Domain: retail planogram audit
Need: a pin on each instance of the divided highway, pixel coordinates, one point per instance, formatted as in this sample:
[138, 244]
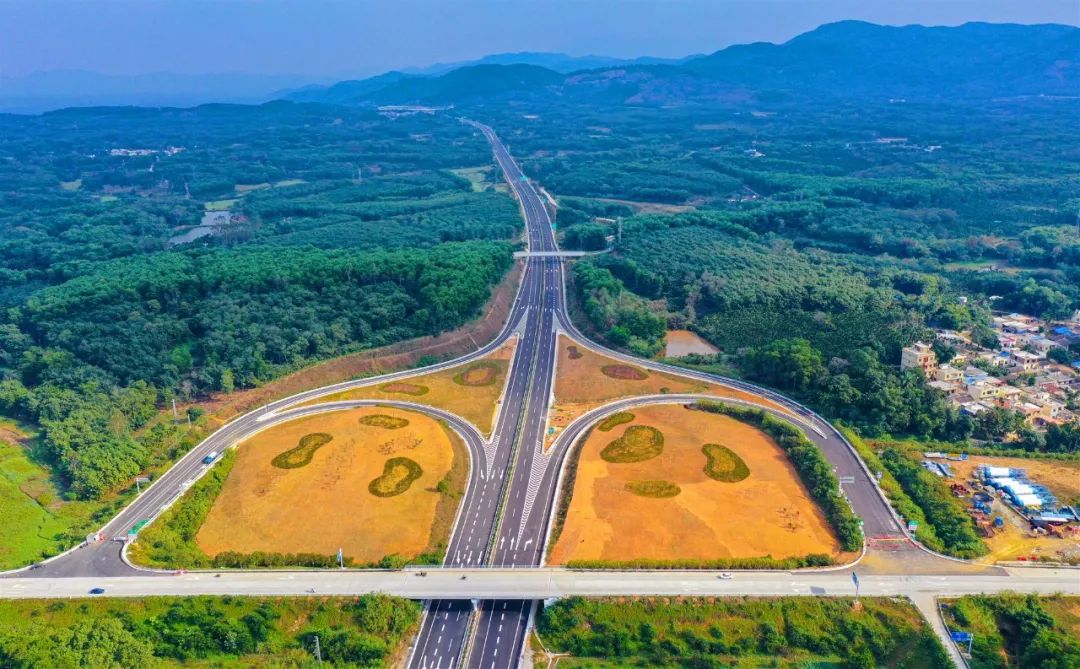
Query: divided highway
[479, 606]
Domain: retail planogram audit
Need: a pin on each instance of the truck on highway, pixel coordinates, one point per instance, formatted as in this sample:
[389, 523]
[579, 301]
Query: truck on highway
[209, 459]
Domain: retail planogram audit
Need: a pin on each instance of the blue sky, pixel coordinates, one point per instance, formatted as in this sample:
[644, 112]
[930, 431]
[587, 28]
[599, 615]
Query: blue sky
[339, 38]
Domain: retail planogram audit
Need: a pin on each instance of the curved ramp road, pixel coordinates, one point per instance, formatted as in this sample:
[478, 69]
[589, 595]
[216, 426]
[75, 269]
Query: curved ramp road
[480, 603]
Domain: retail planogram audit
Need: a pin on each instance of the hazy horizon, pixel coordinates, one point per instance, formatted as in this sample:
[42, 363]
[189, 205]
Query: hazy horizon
[330, 39]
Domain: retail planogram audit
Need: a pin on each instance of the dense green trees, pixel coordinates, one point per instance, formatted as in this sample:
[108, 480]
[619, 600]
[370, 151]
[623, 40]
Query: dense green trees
[1016, 630]
[348, 233]
[952, 525]
[695, 633]
[171, 632]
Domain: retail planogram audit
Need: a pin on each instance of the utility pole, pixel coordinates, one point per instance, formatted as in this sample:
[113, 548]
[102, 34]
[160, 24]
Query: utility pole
[174, 415]
[318, 650]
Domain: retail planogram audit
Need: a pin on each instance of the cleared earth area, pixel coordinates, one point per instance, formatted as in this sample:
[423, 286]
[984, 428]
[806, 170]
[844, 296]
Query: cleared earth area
[471, 391]
[365, 480]
[1015, 540]
[676, 485]
[586, 379]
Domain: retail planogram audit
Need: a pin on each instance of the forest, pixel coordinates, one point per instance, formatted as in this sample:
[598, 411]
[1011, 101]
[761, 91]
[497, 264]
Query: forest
[330, 231]
[822, 239]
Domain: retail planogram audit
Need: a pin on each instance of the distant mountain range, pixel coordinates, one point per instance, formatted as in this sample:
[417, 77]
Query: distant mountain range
[849, 59]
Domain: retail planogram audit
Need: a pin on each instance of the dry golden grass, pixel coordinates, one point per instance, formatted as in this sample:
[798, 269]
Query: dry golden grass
[475, 402]
[326, 504]
[582, 385]
[768, 513]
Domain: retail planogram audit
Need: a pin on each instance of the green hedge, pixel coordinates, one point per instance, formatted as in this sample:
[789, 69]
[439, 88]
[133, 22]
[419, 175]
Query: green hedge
[814, 470]
[764, 562]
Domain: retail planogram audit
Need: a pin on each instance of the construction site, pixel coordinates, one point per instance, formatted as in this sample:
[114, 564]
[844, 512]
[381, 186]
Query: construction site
[1020, 517]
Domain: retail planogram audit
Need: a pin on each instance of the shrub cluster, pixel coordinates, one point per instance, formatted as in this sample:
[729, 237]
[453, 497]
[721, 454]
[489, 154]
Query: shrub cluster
[614, 420]
[301, 454]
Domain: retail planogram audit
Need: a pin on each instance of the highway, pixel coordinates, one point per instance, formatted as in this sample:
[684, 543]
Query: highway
[479, 603]
[525, 584]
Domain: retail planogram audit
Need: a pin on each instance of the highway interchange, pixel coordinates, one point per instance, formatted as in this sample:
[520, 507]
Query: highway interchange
[478, 607]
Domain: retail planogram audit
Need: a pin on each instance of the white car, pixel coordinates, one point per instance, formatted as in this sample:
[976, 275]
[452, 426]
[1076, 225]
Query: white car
[725, 576]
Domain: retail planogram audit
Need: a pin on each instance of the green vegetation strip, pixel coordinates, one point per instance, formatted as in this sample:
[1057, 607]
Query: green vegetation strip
[1018, 630]
[659, 489]
[226, 632]
[814, 470]
[784, 633]
[637, 444]
[724, 464]
[398, 474]
[482, 373]
[384, 421]
[302, 453]
[910, 510]
[615, 420]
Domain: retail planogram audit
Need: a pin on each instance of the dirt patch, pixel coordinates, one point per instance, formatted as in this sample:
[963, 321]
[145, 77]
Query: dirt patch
[482, 373]
[657, 489]
[384, 421]
[637, 444]
[398, 474]
[414, 389]
[327, 504]
[767, 513]
[624, 372]
[382, 360]
[301, 455]
[724, 464]
[472, 390]
[581, 384]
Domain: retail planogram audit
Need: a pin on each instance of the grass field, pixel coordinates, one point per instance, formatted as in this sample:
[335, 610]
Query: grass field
[36, 519]
[220, 632]
[472, 390]
[766, 513]
[738, 632]
[585, 379]
[479, 177]
[371, 490]
[221, 205]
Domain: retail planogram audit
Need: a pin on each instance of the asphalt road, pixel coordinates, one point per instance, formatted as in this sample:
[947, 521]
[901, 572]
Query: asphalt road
[517, 584]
